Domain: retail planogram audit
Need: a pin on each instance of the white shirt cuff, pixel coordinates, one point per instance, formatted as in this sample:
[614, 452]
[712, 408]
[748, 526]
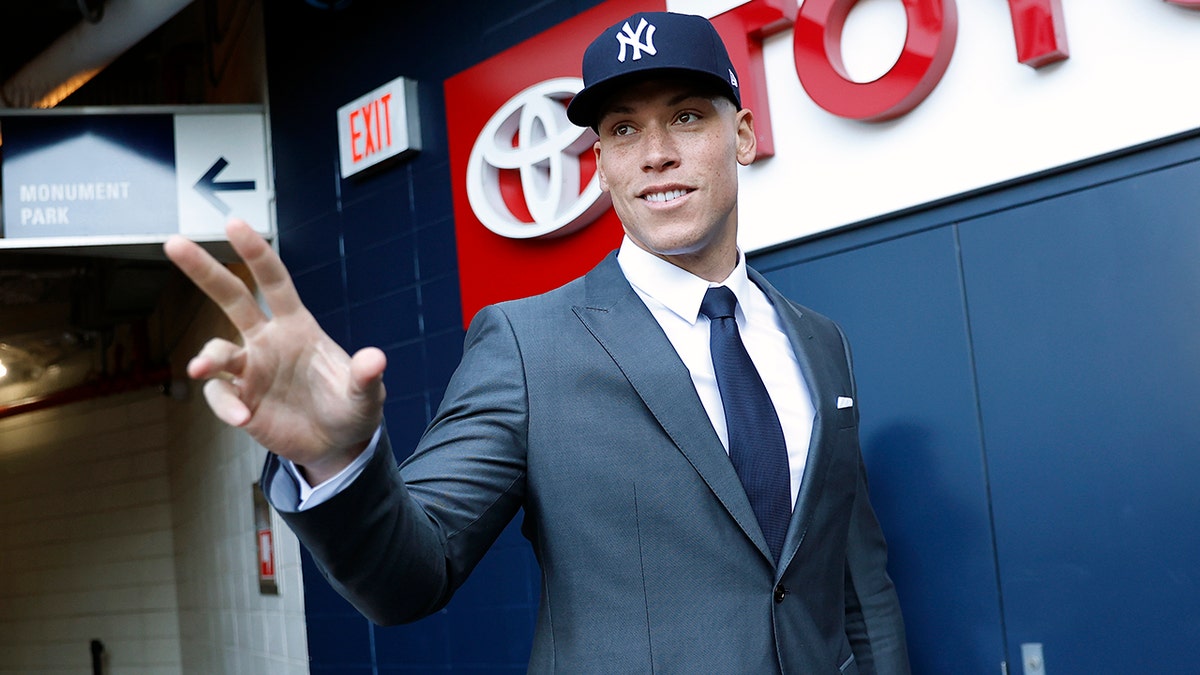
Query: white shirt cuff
[311, 496]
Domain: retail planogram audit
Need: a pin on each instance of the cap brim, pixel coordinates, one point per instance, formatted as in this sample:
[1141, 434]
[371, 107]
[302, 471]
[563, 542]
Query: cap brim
[585, 108]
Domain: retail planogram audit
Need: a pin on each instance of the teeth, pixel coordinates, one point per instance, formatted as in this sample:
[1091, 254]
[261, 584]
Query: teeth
[665, 196]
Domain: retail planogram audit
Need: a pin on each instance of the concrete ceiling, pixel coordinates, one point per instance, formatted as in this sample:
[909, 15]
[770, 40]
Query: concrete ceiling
[110, 52]
[73, 322]
[28, 27]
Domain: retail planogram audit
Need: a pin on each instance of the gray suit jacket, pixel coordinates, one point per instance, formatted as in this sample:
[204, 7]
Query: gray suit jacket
[574, 406]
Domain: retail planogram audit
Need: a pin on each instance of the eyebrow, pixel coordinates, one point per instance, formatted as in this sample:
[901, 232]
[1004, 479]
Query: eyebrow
[624, 109]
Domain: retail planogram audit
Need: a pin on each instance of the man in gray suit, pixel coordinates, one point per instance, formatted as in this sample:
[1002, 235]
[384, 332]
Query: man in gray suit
[605, 411]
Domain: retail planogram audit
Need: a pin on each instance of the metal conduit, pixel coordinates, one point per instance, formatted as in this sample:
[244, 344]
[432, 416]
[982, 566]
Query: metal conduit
[84, 50]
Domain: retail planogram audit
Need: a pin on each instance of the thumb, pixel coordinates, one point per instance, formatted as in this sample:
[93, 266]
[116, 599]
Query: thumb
[366, 373]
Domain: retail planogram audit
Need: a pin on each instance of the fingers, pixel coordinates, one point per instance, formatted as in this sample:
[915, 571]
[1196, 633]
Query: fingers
[223, 399]
[217, 282]
[225, 289]
[216, 358]
[268, 270]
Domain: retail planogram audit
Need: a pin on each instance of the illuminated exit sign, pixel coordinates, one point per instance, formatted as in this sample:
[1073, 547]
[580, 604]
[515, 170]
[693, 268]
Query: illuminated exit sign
[378, 126]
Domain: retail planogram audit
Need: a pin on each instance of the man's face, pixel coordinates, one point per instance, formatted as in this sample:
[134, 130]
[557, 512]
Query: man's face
[668, 154]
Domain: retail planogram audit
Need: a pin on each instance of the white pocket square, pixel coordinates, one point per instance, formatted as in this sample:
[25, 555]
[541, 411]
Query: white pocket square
[845, 402]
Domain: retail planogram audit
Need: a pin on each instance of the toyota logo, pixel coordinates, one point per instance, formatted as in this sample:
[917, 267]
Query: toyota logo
[531, 136]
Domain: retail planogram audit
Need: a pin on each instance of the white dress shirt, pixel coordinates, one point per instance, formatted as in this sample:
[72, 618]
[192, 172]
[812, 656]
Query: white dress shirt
[673, 295]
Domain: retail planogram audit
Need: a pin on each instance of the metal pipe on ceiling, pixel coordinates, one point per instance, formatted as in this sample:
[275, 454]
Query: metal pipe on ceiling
[85, 50]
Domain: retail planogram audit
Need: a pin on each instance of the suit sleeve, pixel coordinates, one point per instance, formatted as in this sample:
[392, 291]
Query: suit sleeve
[399, 541]
[874, 624]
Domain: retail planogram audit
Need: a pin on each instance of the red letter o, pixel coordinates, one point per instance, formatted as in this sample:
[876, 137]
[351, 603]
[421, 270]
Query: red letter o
[932, 30]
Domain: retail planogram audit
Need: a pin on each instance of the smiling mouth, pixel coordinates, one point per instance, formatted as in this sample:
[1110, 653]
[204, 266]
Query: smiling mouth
[668, 195]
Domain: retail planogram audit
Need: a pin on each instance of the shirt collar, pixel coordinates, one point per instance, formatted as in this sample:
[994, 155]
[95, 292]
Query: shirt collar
[675, 288]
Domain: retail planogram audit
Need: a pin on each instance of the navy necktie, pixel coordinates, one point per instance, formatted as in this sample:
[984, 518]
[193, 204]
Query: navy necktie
[756, 445]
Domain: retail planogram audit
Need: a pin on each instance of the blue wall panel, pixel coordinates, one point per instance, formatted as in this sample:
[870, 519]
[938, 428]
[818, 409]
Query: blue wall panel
[900, 304]
[1085, 310]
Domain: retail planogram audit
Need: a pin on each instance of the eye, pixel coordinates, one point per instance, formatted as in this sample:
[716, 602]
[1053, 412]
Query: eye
[687, 117]
[622, 129]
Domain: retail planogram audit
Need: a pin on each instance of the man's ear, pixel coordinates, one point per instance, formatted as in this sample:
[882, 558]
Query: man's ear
[600, 167]
[747, 142]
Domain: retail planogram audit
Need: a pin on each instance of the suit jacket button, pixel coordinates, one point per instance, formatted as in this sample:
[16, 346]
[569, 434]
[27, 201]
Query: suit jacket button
[780, 592]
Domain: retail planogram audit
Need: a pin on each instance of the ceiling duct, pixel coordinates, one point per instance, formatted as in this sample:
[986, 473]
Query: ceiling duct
[84, 50]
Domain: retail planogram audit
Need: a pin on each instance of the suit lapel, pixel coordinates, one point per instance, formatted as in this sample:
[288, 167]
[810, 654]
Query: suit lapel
[625, 328]
[823, 380]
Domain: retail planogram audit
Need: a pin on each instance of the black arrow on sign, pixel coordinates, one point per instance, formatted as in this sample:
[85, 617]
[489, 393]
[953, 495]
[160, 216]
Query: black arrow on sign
[208, 186]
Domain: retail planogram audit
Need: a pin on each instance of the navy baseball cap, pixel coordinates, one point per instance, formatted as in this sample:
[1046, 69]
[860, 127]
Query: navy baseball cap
[646, 43]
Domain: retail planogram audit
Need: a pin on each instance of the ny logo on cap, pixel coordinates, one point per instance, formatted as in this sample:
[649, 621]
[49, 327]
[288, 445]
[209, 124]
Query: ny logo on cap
[630, 38]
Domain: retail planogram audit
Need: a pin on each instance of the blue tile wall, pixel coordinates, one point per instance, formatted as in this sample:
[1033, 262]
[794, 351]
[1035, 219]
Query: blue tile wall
[369, 218]
[431, 194]
[322, 288]
[387, 320]
[337, 324]
[374, 258]
[437, 254]
[406, 419]
[428, 649]
[444, 317]
[381, 268]
[408, 376]
[315, 243]
[339, 640]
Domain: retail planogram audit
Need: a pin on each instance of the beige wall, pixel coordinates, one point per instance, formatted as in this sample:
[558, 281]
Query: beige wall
[85, 538]
[130, 519]
[226, 624]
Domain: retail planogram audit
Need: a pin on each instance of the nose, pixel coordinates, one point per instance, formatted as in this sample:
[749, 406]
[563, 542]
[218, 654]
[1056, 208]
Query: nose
[661, 150]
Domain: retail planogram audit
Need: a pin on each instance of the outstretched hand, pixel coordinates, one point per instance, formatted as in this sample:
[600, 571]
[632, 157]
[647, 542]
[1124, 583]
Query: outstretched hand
[288, 384]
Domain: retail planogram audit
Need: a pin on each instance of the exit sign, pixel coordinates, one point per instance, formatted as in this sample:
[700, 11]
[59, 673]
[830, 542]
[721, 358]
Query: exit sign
[378, 126]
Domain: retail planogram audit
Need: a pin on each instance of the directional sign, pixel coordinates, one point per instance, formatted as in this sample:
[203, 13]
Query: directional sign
[134, 175]
[221, 168]
[88, 175]
[208, 186]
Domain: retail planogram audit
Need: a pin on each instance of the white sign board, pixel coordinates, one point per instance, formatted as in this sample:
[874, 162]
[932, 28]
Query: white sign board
[221, 172]
[379, 125]
[128, 177]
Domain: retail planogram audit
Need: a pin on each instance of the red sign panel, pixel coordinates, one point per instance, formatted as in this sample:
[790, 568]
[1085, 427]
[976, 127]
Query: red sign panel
[266, 556]
[529, 213]
[518, 164]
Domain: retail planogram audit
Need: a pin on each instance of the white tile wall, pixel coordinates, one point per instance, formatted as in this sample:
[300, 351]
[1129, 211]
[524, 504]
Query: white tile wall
[130, 519]
[85, 538]
[226, 624]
